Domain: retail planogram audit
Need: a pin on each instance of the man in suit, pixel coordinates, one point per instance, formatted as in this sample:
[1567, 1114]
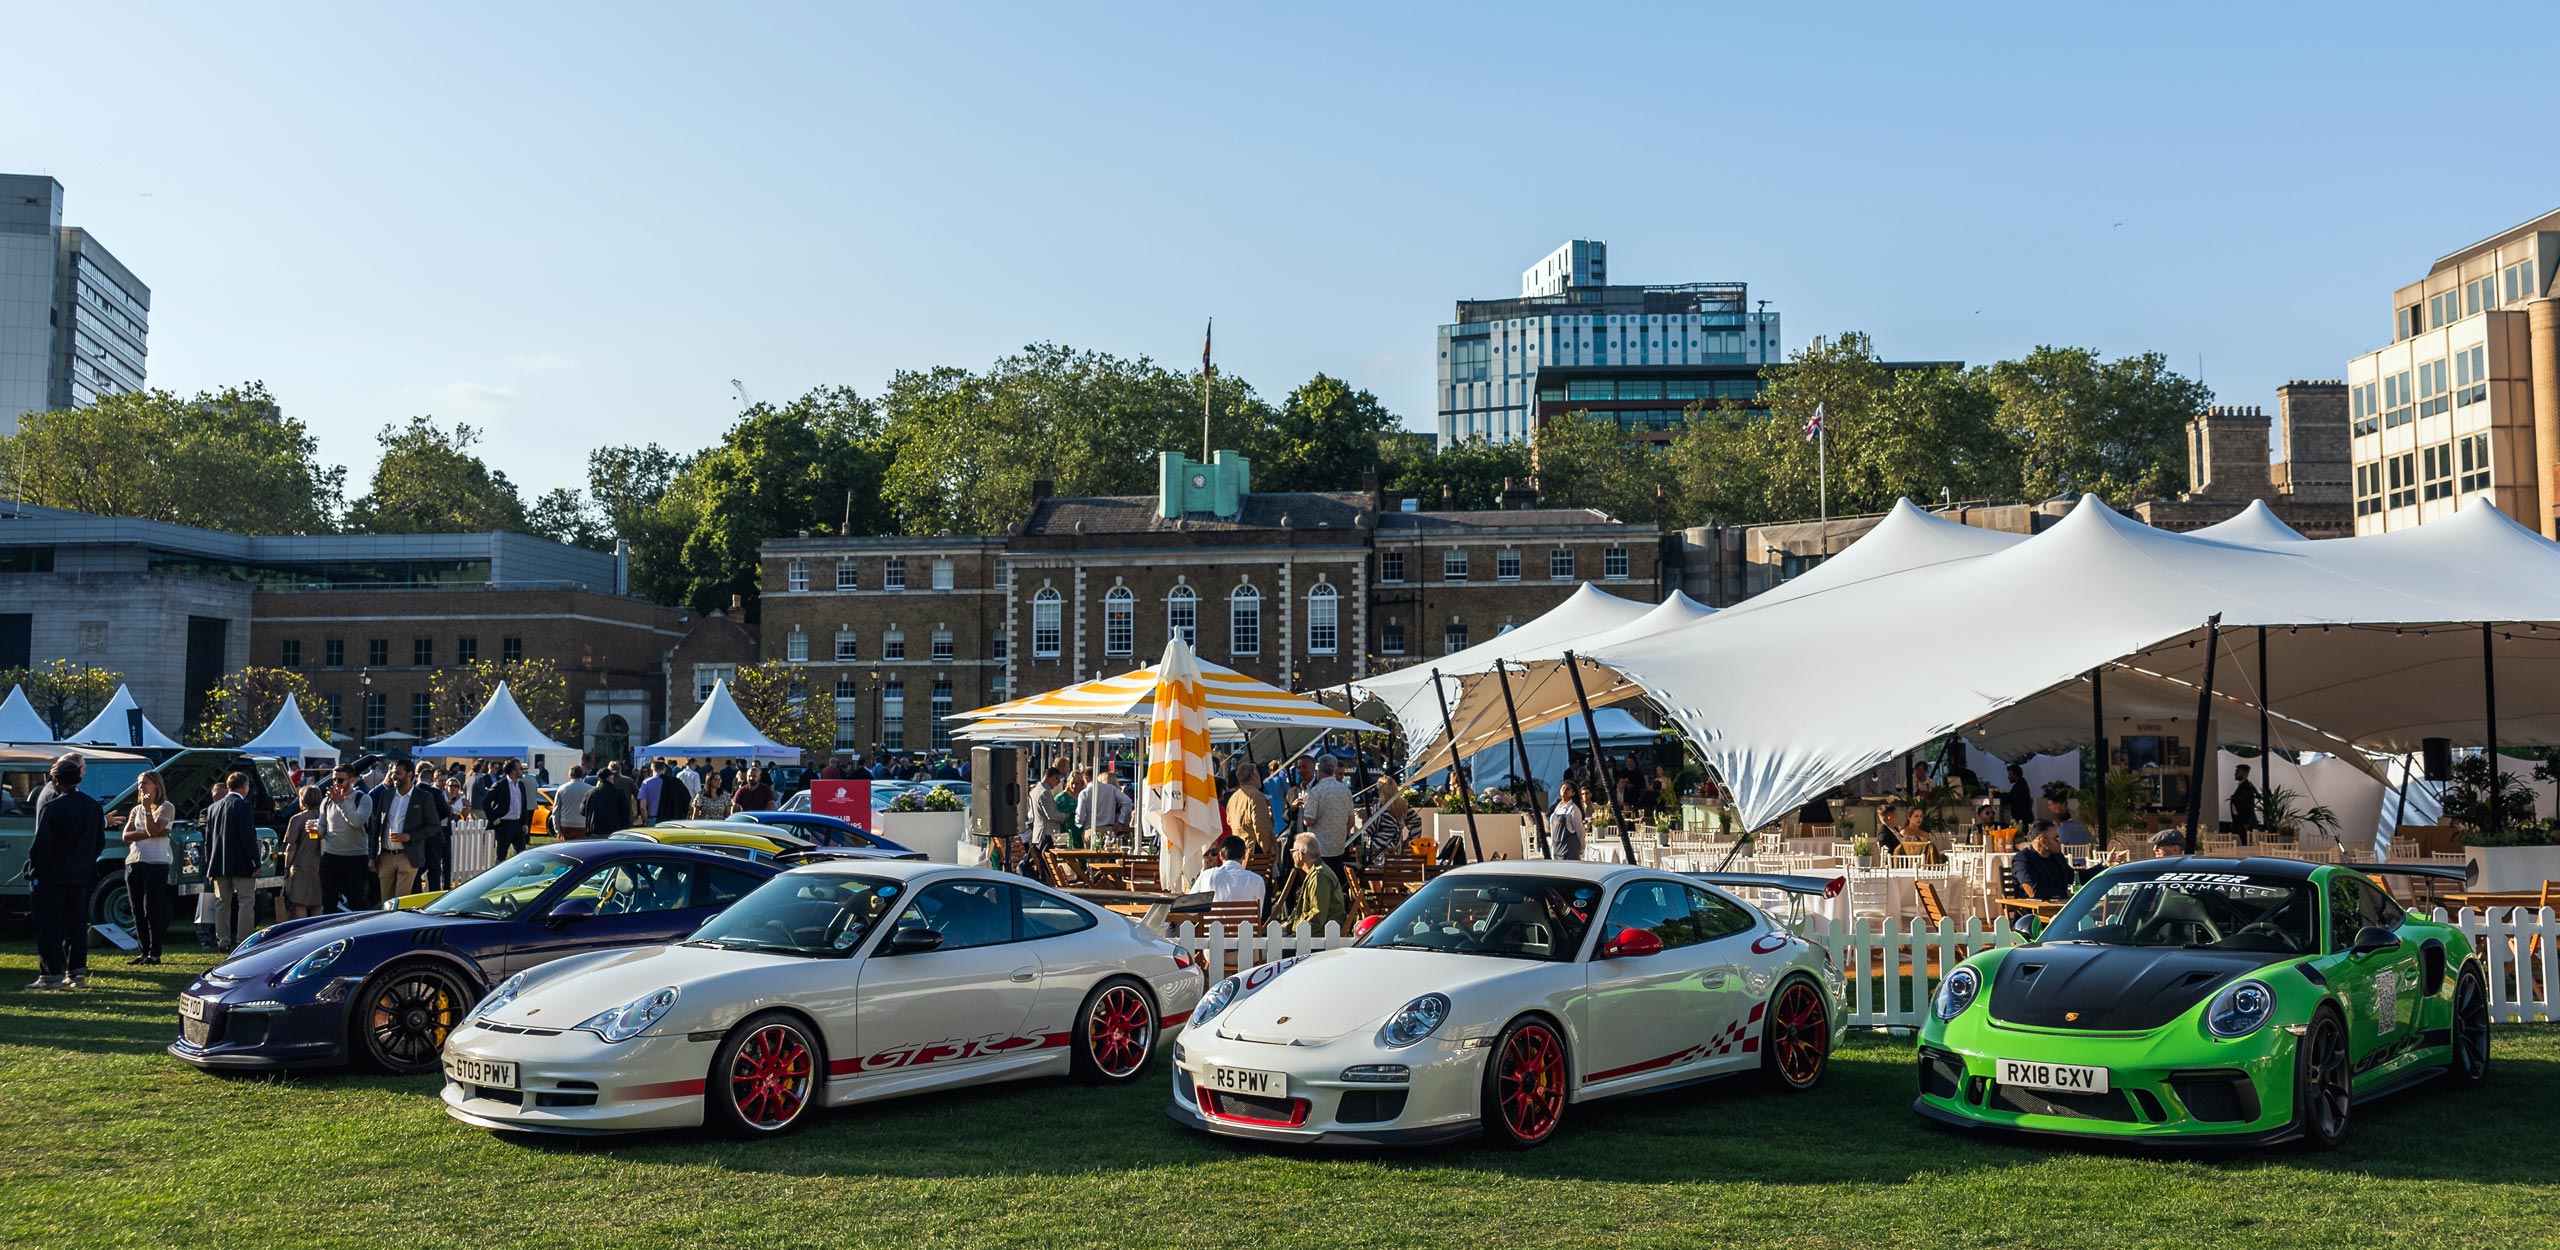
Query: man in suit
[675, 798]
[62, 866]
[404, 818]
[508, 803]
[607, 805]
[231, 862]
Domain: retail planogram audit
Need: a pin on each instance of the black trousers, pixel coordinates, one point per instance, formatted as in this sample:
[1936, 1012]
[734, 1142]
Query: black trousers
[148, 886]
[346, 879]
[62, 929]
[437, 872]
[510, 836]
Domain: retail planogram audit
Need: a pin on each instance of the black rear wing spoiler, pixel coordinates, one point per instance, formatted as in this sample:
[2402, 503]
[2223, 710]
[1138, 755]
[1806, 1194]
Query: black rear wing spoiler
[1819, 887]
[2464, 873]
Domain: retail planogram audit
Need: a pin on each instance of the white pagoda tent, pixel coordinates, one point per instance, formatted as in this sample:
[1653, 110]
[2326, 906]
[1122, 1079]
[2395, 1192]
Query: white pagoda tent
[500, 731]
[290, 737]
[719, 730]
[111, 727]
[19, 723]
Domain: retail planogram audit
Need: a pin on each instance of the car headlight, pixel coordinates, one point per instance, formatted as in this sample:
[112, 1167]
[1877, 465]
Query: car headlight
[1957, 992]
[1415, 1020]
[315, 962]
[499, 997]
[2240, 1009]
[633, 1018]
[1215, 1001]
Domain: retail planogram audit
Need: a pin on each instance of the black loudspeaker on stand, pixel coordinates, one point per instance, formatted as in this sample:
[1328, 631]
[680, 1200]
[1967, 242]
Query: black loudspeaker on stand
[995, 792]
[2439, 754]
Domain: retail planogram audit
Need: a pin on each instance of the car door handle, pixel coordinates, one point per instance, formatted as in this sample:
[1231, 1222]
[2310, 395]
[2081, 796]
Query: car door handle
[1026, 974]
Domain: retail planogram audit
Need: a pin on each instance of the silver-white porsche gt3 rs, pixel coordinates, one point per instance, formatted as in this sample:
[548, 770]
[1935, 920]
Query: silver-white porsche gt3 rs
[837, 983]
[1502, 993]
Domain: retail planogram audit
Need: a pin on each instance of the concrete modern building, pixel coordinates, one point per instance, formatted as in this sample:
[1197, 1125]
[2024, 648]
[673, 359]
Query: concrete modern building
[1567, 313]
[74, 322]
[370, 619]
[1651, 401]
[2465, 402]
[1304, 589]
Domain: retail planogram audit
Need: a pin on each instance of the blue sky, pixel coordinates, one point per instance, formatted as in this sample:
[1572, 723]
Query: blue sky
[573, 225]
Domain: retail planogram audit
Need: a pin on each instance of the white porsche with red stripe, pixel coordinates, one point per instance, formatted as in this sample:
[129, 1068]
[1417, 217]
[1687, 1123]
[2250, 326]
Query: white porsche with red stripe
[1502, 993]
[841, 982]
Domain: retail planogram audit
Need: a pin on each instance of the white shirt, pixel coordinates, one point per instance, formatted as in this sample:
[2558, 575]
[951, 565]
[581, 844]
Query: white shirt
[1230, 882]
[515, 799]
[692, 780]
[150, 850]
[396, 825]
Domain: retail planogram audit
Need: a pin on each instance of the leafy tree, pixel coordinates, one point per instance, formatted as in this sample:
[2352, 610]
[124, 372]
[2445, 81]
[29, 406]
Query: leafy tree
[777, 700]
[1323, 437]
[226, 460]
[455, 695]
[242, 703]
[1590, 462]
[967, 446]
[429, 481]
[627, 483]
[813, 465]
[1472, 471]
[2113, 427]
[66, 694]
[562, 516]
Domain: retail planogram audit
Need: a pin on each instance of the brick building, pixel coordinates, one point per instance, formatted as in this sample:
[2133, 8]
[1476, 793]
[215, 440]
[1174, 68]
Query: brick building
[1301, 589]
[2228, 465]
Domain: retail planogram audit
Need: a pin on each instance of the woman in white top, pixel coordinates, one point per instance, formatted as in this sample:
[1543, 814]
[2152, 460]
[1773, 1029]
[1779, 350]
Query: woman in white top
[146, 862]
[1566, 825]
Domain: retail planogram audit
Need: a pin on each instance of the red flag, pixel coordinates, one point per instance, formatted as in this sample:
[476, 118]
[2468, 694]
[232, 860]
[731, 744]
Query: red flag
[1205, 336]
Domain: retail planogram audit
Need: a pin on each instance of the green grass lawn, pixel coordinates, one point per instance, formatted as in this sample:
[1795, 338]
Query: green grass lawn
[108, 1141]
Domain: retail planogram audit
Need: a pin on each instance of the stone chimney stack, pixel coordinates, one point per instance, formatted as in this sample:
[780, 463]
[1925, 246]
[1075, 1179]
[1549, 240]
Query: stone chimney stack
[2318, 466]
[2227, 455]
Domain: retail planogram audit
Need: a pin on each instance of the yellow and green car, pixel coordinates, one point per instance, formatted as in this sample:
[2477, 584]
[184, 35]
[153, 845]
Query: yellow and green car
[2209, 1002]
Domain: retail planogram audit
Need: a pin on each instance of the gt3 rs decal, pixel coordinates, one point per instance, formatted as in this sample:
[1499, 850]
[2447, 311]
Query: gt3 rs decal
[1736, 1035]
[946, 1051]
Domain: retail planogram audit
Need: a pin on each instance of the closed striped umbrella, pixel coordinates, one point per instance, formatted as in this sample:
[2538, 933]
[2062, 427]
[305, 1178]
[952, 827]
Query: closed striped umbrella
[1180, 801]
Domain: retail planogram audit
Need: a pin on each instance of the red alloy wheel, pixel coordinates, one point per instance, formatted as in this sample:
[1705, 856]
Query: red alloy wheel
[1119, 1032]
[1531, 1087]
[769, 1081]
[1802, 1038]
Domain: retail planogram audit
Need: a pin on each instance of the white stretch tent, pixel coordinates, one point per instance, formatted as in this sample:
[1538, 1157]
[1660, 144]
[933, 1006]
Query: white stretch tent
[500, 731]
[2373, 640]
[1541, 686]
[1408, 694]
[112, 728]
[718, 730]
[290, 737]
[19, 723]
[1553, 748]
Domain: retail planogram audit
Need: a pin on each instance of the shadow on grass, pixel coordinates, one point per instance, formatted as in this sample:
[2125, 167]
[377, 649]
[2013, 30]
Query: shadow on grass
[1857, 1128]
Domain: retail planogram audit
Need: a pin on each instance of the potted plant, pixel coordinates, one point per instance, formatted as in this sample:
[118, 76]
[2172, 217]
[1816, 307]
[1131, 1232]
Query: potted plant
[2285, 811]
[2520, 854]
[2126, 794]
[929, 818]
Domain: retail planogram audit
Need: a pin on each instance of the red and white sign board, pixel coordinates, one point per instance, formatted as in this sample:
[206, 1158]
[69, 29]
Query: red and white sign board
[846, 800]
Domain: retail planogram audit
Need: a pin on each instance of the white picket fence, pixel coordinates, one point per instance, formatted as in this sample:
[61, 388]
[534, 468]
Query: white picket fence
[1892, 969]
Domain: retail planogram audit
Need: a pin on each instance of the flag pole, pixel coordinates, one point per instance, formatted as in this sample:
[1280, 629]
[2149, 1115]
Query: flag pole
[1822, 472]
[1205, 337]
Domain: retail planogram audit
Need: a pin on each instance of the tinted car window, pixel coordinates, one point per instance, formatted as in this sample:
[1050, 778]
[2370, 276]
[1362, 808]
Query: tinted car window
[1716, 916]
[2378, 907]
[638, 887]
[965, 913]
[1660, 908]
[728, 885]
[1047, 915]
[2346, 913]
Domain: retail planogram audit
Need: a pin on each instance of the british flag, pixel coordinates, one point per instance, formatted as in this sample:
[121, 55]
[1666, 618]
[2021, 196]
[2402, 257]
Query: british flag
[1813, 424]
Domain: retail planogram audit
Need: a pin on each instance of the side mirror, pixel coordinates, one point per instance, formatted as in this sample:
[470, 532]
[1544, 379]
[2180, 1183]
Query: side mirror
[1361, 930]
[2373, 938]
[1631, 944]
[569, 909]
[909, 939]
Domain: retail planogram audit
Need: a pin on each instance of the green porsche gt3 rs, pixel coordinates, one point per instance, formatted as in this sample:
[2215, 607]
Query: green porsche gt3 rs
[2208, 1001]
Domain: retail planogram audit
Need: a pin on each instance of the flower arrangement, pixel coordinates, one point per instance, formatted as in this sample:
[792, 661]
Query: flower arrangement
[926, 799]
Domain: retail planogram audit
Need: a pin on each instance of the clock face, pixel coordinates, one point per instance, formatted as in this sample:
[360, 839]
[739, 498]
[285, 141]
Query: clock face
[1199, 481]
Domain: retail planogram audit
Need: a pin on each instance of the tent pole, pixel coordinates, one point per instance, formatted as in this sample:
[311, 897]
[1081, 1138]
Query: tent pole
[2403, 811]
[1458, 767]
[2202, 774]
[2265, 743]
[1526, 783]
[2098, 747]
[1359, 759]
[1599, 757]
[2489, 703]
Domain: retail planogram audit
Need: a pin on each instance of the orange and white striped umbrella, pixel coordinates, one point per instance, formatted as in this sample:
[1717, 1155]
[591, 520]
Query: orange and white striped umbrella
[1180, 801]
[1128, 699]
